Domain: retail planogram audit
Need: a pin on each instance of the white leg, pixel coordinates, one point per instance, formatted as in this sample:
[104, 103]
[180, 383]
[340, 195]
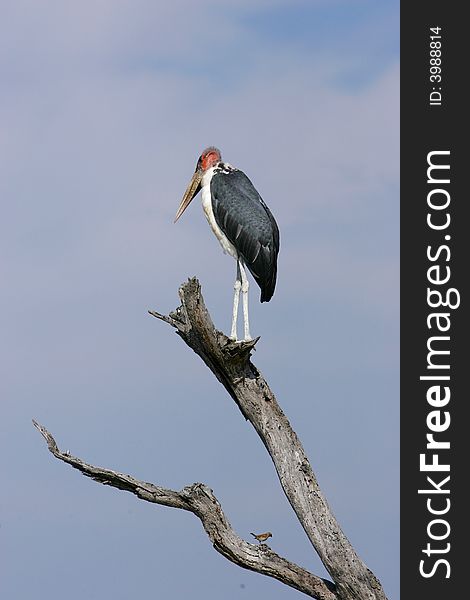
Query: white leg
[245, 287]
[236, 297]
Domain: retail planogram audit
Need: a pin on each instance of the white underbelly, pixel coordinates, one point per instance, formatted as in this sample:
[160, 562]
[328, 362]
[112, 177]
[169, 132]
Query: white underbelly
[227, 246]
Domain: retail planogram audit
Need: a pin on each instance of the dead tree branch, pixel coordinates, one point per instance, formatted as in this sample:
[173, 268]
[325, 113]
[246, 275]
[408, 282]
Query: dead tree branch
[201, 501]
[230, 363]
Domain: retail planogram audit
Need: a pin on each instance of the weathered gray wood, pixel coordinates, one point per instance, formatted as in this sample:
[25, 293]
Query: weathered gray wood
[230, 363]
[200, 500]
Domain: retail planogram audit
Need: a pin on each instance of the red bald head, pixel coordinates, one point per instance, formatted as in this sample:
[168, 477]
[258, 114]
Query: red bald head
[209, 158]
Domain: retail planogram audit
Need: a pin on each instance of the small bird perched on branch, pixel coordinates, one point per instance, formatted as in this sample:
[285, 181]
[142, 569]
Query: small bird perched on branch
[262, 537]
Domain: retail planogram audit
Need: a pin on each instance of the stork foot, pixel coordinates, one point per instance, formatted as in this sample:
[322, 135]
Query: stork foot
[235, 340]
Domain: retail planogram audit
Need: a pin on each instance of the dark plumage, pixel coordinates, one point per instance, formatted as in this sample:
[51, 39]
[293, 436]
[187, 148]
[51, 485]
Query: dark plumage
[241, 222]
[249, 225]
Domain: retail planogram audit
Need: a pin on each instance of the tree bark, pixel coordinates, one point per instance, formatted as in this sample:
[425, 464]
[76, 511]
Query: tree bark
[230, 363]
[201, 501]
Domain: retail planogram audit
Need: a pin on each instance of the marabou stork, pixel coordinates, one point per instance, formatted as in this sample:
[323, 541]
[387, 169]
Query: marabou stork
[242, 223]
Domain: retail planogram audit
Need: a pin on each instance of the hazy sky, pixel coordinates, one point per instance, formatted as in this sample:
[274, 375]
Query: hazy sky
[105, 107]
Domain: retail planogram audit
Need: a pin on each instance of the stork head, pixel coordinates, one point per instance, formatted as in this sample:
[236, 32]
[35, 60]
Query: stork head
[208, 159]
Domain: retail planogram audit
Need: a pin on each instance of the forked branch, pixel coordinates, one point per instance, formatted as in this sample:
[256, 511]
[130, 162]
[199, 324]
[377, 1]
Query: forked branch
[200, 500]
[230, 363]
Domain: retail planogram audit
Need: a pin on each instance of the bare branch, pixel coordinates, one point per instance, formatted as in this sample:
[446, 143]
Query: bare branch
[230, 363]
[201, 501]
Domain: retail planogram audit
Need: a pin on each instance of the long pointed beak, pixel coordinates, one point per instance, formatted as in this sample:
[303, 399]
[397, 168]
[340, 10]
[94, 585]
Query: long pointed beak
[192, 189]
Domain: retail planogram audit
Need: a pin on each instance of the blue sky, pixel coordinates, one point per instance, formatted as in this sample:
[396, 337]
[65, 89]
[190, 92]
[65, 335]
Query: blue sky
[104, 109]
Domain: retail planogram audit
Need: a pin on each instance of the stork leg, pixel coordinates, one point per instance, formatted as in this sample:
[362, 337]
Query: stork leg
[236, 298]
[245, 287]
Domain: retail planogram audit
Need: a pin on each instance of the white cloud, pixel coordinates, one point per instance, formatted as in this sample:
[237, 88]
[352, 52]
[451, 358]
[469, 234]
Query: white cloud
[100, 134]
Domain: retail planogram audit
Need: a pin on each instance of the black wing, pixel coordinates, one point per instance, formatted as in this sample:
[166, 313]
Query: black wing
[249, 225]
